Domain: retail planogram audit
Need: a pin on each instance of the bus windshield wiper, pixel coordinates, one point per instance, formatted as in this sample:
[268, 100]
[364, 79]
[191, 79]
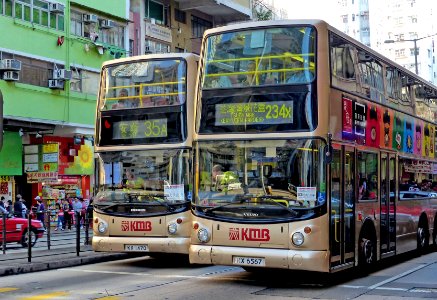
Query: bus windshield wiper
[270, 199]
[159, 200]
[247, 198]
[227, 203]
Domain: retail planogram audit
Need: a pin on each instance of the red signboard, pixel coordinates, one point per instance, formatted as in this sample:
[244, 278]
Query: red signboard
[249, 234]
[136, 226]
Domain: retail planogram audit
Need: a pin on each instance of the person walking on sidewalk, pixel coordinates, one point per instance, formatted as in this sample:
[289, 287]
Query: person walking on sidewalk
[66, 208]
[40, 211]
[77, 206]
[60, 214]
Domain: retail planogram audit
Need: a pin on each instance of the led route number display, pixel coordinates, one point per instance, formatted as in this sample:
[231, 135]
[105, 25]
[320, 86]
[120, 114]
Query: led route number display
[140, 129]
[275, 112]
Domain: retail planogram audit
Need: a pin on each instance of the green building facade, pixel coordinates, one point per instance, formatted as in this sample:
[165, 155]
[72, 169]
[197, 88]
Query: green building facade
[50, 58]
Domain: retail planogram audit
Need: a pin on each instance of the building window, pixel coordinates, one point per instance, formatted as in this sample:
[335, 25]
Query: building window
[353, 17]
[180, 16]
[76, 25]
[198, 26]
[35, 11]
[179, 50]
[113, 36]
[156, 11]
[156, 47]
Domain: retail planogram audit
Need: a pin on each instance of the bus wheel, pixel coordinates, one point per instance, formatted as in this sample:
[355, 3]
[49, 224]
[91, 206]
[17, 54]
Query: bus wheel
[367, 252]
[422, 238]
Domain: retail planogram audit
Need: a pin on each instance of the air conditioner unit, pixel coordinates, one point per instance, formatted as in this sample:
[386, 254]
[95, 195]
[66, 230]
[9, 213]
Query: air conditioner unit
[11, 76]
[107, 24]
[10, 65]
[56, 84]
[62, 74]
[56, 7]
[89, 18]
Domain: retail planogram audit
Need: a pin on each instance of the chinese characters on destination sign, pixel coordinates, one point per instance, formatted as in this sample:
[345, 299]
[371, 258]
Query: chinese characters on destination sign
[277, 112]
[140, 129]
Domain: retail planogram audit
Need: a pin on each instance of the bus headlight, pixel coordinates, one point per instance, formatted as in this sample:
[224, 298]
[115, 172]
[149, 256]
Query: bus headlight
[203, 235]
[297, 238]
[102, 227]
[172, 228]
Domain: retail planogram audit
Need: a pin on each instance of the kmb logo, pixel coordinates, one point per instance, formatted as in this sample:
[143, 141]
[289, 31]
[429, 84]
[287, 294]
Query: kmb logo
[136, 226]
[249, 234]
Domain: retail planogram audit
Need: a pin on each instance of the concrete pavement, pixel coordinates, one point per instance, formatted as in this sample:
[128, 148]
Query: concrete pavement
[62, 254]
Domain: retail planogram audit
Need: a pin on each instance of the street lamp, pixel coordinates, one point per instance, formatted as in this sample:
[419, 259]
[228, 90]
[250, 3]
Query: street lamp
[415, 47]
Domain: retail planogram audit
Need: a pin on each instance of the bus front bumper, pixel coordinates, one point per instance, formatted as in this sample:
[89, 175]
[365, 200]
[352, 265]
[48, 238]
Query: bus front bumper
[153, 244]
[274, 258]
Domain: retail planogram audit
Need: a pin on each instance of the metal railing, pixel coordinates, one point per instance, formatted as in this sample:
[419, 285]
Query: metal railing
[29, 237]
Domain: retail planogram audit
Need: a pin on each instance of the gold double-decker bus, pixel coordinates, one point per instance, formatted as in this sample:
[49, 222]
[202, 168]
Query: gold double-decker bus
[144, 154]
[311, 151]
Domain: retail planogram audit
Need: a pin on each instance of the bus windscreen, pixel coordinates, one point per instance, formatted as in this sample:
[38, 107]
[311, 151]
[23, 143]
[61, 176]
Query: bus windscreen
[259, 80]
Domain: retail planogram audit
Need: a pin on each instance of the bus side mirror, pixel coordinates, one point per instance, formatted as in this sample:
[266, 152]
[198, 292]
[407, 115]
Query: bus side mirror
[328, 154]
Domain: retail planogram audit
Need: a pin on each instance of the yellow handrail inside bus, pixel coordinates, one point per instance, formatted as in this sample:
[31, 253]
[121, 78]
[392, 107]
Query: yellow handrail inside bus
[141, 94]
[296, 57]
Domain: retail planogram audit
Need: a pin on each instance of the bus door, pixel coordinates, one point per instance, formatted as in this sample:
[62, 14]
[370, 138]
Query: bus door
[342, 206]
[388, 200]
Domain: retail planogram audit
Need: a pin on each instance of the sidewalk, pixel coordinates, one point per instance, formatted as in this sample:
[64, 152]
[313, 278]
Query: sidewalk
[15, 261]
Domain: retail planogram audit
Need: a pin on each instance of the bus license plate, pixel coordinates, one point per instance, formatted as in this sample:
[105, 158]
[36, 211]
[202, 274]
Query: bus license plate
[137, 248]
[249, 261]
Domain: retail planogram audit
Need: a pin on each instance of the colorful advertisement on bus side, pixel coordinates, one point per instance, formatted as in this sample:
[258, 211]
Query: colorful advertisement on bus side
[375, 126]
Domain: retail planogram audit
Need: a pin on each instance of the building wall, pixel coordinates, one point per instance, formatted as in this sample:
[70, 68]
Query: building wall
[41, 49]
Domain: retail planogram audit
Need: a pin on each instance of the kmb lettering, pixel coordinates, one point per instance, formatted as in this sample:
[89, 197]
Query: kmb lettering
[136, 226]
[249, 234]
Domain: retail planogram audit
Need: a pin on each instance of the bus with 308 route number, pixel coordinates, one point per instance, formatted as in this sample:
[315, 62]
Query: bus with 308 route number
[311, 151]
[144, 126]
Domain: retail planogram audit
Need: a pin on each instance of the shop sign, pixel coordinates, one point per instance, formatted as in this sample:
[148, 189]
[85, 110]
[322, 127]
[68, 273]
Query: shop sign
[33, 177]
[41, 158]
[158, 32]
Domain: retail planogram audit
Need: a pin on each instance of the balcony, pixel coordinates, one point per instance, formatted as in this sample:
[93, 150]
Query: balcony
[223, 11]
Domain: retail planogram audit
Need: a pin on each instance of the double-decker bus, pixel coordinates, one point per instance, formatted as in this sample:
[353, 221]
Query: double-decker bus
[144, 154]
[311, 151]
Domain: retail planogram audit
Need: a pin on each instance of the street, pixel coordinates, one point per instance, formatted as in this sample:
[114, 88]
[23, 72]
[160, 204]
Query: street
[407, 277]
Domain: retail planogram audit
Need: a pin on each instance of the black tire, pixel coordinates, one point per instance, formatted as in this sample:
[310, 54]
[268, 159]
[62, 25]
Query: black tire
[24, 238]
[367, 253]
[422, 238]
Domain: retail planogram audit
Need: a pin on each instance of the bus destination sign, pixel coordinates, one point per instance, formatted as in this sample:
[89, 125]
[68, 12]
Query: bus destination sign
[140, 129]
[253, 113]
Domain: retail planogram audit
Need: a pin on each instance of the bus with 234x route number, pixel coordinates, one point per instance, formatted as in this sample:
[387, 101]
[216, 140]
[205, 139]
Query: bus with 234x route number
[311, 151]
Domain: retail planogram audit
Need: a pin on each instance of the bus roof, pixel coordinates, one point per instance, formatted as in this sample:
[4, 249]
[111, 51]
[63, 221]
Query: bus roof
[319, 24]
[150, 57]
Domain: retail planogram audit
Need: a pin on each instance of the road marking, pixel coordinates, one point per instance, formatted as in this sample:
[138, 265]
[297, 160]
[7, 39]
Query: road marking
[201, 276]
[46, 296]
[397, 276]
[377, 288]
[109, 298]
[7, 289]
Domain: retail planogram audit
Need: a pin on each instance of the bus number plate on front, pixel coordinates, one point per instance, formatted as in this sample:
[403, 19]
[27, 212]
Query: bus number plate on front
[249, 261]
[137, 248]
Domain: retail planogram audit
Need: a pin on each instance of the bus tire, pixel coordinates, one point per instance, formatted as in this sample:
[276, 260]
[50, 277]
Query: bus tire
[422, 236]
[367, 250]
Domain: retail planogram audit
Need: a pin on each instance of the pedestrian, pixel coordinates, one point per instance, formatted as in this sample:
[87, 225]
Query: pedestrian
[66, 208]
[23, 208]
[60, 214]
[18, 206]
[3, 209]
[9, 207]
[40, 211]
[77, 206]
